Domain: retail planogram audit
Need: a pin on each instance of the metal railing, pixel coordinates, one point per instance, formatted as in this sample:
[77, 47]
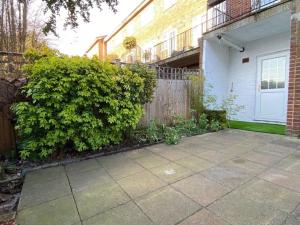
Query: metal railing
[173, 46]
[229, 11]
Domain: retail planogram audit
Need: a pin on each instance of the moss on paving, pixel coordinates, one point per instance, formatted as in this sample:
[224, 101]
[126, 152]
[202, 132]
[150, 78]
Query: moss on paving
[258, 127]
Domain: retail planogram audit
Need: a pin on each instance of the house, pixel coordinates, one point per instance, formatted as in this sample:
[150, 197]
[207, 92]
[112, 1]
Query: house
[252, 50]
[247, 48]
[166, 32]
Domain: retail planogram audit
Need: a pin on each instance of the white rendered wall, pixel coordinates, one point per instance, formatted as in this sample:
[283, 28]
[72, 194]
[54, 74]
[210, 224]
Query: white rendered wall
[224, 69]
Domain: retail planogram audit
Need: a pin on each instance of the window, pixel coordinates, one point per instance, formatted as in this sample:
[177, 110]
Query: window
[147, 15]
[273, 73]
[169, 3]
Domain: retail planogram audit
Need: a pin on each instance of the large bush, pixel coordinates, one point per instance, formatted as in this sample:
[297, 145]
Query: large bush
[76, 101]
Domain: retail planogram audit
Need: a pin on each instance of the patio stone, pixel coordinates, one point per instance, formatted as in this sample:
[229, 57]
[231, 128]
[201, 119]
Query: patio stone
[291, 220]
[271, 194]
[152, 161]
[140, 184]
[230, 177]
[238, 210]
[195, 164]
[167, 206]
[262, 158]
[124, 169]
[45, 175]
[204, 217]
[291, 163]
[34, 194]
[98, 198]
[135, 154]
[277, 150]
[61, 211]
[215, 156]
[200, 189]
[112, 161]
[282, 178]
[80, 181]
[82, 166]
[171, 172]
[161, 147]
[244, 165]
[173, 154]
[128, 214]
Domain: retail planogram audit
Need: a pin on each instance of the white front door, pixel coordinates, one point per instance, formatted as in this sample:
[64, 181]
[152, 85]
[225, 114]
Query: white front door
[271, 95]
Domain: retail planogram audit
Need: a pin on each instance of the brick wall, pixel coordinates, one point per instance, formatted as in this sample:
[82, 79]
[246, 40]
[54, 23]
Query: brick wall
[236, 8]
[293, 116]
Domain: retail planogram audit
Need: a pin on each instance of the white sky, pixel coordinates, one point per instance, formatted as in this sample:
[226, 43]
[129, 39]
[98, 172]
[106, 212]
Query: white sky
[76, 42]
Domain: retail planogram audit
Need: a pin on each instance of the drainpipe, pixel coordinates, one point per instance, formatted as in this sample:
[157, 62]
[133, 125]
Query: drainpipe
[229, 43]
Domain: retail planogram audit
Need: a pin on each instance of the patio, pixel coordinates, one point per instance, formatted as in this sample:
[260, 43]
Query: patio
[230, 177]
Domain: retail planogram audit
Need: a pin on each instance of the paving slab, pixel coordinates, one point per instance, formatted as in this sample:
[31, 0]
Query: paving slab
[291, 163]
[44, 175]
[277, 150]
[268, 193]
[140, 184]
[135, 154]
[201, 189]
[171, 172]
[204, 217]
[173, 154]
[122, 170]
[127, 214]
[61, 211]
[245, 165]
[99, 198]
[216, 156]
[80, 181]
[266, 159]
[238, 210]
[82, 166]
[194, 163]
[151, 161]
[36, 193]
[282, 178]
[167, 206]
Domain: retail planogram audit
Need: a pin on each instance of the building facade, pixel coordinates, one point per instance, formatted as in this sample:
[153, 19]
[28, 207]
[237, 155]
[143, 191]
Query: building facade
[163, 29]
[249, 49]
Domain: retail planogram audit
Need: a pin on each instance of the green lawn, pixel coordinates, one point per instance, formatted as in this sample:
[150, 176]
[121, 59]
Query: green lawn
[258, 127]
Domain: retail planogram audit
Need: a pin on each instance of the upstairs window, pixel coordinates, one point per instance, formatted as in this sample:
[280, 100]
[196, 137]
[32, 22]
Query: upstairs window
[147, 15]
[169, 3]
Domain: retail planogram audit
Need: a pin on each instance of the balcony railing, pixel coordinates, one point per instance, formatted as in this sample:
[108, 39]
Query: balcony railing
[232, 10]
[173, 46]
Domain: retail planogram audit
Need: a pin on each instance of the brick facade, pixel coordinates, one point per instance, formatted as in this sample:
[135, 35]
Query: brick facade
[293, 114]
[237, 8]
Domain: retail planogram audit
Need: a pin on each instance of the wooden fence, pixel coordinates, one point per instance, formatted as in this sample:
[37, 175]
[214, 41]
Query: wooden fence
[170, 96]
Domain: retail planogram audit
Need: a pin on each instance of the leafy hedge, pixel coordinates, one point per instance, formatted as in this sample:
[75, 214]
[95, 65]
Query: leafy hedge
[76, 101]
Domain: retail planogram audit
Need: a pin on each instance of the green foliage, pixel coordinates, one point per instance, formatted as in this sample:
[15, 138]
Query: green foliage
[203, 121]
[215, 125]
[149, 77]
[112, 57]
[217, 115]
[153, 132]
[33, 54]
[230, 107]
[76, 101]
[172, 136]
[185, 127]
[129, 43]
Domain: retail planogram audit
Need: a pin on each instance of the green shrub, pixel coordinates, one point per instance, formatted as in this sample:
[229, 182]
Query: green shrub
[203, 121]
[215, 125]
[153, 132]
[149, 77]
[217, 115]
[76, 101]
[172, 136]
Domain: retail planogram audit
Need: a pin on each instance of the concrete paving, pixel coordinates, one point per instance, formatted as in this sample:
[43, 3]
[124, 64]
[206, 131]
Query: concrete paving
[227, 178]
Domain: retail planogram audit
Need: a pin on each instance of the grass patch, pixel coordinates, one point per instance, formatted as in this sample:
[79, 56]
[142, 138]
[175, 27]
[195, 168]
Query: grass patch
[258, 127]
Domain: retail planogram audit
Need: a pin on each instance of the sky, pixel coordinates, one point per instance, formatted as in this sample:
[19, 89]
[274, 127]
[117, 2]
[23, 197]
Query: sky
[76, 42]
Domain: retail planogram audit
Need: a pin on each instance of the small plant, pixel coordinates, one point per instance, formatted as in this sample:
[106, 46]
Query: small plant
[172, 136]
[153, 132]
[231, 108]
[203, 121]
[129, 43]
[215, 125]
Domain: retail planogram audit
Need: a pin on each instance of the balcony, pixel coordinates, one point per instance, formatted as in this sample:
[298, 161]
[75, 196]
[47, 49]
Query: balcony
[229, 11]
[173, 47]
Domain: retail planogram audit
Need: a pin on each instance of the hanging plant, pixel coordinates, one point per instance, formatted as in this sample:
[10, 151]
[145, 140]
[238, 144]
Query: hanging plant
[129, 43]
